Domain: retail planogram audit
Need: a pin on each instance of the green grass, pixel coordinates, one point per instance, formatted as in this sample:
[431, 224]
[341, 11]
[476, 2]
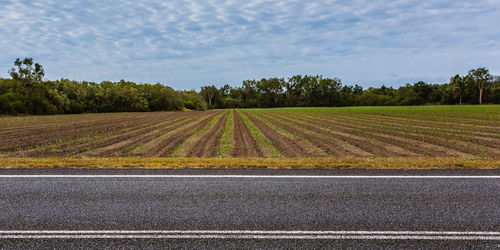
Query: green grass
[436, 111]
[226, 142]
[265, 143]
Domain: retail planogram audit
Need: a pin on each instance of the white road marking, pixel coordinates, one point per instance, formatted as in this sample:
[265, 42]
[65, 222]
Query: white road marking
[248, 234]
[267, 176]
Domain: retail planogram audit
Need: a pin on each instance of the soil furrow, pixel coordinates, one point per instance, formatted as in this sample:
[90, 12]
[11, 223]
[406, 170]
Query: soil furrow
[47, 137]
[245, 144]
[164, 145]
[330, 147]
[122, 147]
[434, 132]
[210, 140]
[415, 142]
[358, 141]
[442, 128]
[285, 145]
[73, 148]
[435, 124]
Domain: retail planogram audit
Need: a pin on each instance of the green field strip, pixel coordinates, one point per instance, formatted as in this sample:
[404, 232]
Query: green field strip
[438, 112]
[187, 143]
[444, 119]
[226, 141]
[265, 144]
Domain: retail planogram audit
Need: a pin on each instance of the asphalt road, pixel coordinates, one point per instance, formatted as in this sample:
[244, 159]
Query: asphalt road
[64, 208]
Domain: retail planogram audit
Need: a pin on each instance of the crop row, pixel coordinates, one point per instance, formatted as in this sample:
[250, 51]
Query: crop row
[291, 133]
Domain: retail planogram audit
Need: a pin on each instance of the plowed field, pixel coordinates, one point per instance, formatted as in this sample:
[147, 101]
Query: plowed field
[425, 131]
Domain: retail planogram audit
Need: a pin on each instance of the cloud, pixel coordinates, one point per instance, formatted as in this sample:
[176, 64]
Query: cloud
[186, 43]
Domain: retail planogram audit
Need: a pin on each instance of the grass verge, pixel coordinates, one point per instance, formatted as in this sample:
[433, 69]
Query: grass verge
[270, 163]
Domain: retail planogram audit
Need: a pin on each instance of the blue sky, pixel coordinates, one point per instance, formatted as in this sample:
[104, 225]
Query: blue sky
[187, 44]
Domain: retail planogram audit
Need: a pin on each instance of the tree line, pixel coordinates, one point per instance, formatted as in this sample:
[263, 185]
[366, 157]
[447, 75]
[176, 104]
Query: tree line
[26, 92]
[477, 87]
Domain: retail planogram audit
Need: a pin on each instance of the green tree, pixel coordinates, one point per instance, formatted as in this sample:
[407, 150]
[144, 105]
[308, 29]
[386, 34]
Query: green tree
[209, 93]
[481, 78]
[457, 85]
[27, 73]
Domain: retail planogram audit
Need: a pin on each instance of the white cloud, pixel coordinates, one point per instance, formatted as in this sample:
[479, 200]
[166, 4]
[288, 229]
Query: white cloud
[188, 43]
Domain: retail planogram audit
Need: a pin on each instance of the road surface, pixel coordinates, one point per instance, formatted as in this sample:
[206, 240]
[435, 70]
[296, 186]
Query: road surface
[65, 208]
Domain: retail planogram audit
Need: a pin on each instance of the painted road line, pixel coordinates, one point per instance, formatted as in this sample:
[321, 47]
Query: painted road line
[267, 176]
[246, 234]
[242, 232]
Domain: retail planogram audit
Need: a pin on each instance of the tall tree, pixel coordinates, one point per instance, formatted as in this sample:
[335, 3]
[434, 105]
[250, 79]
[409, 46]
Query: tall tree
[481, 78]
[209, 93]
[457, 84]
[27, 73]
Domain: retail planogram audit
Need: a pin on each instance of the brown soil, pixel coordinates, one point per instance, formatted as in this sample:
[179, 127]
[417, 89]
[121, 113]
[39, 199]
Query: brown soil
[122, 146]
[245, 144]
[287, 146]
[298, 134]
[459, 125]
[163, 146]
[420, 143]
[331, 147]
[373, 147]
[73, 147]
[62, 132]
[210, 140]
[493, 139]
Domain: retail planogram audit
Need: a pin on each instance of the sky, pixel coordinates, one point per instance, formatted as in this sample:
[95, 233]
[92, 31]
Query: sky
[187, 44]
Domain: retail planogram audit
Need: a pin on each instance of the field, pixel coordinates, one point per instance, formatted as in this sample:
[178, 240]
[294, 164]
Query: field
[422, 132]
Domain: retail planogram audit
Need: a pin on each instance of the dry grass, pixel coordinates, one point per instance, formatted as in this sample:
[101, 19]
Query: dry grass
[272, 163]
